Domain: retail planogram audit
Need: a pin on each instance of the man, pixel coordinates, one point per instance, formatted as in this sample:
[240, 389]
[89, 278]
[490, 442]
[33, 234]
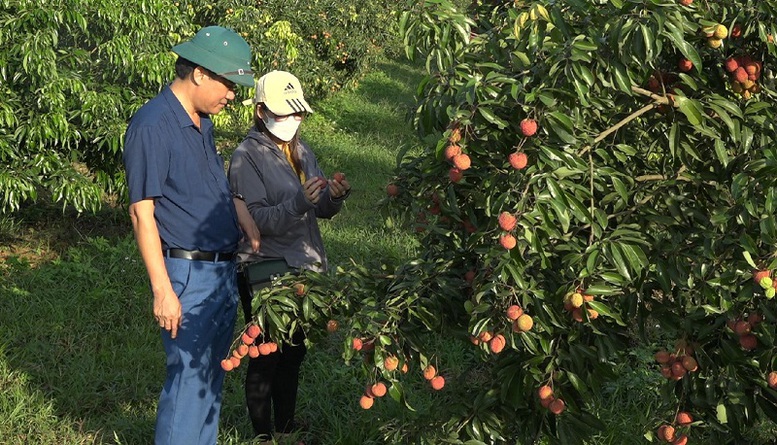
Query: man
[187, 226]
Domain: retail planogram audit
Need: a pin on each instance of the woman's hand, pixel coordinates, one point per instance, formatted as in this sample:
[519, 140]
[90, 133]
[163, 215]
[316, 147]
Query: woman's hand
[338, 188]
[312, 189]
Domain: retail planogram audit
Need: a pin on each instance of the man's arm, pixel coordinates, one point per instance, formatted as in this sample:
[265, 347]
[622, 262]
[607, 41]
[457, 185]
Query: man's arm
[167, 307]
[247, 223]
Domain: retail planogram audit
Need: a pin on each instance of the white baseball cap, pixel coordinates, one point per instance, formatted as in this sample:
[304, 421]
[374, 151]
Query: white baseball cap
[281, 93]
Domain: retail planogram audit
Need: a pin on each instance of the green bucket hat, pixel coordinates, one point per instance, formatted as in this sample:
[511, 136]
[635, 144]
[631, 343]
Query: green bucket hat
[221, 51]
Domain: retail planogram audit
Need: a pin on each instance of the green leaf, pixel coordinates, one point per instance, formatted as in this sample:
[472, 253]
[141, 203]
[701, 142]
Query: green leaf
[691, 109]
[721, 413]
[605, 310]
[749, 259]
[491, 117]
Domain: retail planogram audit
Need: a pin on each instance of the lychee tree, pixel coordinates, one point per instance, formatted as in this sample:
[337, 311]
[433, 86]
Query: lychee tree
[593, 170]
[629, 148]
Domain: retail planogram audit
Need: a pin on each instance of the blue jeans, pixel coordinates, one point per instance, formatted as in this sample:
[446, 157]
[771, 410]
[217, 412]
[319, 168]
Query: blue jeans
[190, 402]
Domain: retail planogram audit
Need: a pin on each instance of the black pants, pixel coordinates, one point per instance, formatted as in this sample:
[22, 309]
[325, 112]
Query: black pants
[272, 380]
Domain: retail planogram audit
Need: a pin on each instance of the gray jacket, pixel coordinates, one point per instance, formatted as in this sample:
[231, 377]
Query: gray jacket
[286, 219]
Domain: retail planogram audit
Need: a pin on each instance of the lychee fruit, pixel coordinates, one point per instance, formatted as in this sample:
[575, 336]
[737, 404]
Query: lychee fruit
[338, 177]
[518, 160]
[438, 382]
[545, 392]
[748, 342]
[452, 151]
[253, 351]
[507, 221]
[682, 440]
[576, 300]
[690, 364]
[462, 161]
[740, 75]
[357, 344]
[686, 2]
[513, 312]
[731, 65]
[485, 336]
[758, 275]
[771, 379]
[685, 65]
[265, 349]
[455, 174]
[683, 418]
[253, 330]
[392, 190]
[455, 135]
[332, 326]
[678, 370]
[497, 344]
[662, 357]
[366, 402]
[721, 32]
[378, 389]
[742, 327]
[528, 127]
[430, 372]
[524, 323]
[507, 241]
[557, 406]
[391, 363]
[227, 365]
[666, 433]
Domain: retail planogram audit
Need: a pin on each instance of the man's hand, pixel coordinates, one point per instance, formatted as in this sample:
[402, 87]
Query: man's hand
[167, 310]
[247, 224]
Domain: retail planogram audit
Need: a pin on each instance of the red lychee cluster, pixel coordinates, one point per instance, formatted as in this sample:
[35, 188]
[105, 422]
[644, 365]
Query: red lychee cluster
[576, 303]
[674, 366]
[372, 392]
[743, 327]
[435, 380]
[548, 400]
[670, 433]
[507, 222]
[247, 346]
[764, 279]
[744, 74]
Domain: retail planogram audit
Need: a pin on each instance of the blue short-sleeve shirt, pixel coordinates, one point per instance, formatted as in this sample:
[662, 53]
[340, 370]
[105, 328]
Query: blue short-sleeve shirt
[168, 159]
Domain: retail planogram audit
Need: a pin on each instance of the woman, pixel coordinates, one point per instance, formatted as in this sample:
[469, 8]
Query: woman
[285, 191]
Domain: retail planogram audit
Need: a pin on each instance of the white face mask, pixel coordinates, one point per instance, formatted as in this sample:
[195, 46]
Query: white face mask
[284, 130]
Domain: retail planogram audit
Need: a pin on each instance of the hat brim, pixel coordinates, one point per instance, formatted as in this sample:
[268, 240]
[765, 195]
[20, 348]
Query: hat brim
[215, 63]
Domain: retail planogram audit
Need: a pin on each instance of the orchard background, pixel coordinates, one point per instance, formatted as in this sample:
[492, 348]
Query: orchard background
[591, 191]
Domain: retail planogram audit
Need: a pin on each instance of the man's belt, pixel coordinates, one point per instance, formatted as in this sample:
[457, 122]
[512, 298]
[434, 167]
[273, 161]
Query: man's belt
[198, 255]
